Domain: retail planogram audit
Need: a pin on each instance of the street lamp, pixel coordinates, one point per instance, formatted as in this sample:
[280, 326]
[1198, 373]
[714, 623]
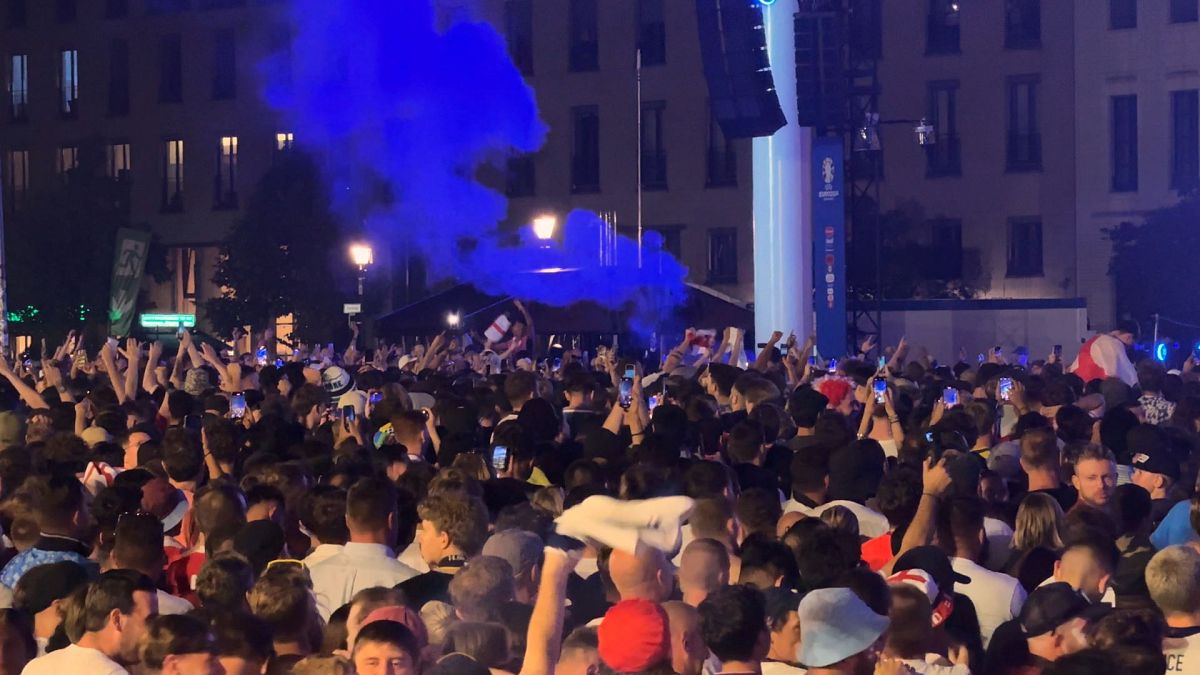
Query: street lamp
[544, 226]
[363, 256]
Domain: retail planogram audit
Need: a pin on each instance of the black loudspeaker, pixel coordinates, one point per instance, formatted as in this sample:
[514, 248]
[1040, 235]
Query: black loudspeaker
[741, 88]
[821, 78]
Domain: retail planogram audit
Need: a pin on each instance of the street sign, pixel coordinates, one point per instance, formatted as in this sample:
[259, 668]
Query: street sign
[168, 320]
[352, 308]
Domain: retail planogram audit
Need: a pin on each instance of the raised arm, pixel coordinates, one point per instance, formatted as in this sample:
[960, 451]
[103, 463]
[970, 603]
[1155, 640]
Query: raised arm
[544, 639]
[109, 361]
[28, 394]
[149, 379]
[133, 352]
[764, 355]
[935, 482]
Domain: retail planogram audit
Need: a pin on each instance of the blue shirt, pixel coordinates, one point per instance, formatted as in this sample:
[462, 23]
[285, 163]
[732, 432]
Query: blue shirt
[48, 549]
[1175, 528]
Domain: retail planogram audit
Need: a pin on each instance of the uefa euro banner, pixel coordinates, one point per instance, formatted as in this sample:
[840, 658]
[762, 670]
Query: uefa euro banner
[829, 245]
[129, 261]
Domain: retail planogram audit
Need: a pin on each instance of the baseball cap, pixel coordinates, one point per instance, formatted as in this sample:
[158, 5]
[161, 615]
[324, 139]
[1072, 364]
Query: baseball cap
[1151, 451]
[942, 603]
[834, 625]
[1049, 607]
[520, 548]
[405, 616]
[336, 380]
[634, 636]
[932, 561]
[164, 501]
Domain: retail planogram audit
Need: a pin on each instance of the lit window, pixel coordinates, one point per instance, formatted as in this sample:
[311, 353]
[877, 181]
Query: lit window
[284, 140]
[172, 187]
[226, 195]
[68, 82]
[68, 159]
[117, 160]
[18, 87]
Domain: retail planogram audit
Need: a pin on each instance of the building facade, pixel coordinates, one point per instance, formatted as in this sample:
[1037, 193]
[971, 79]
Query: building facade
[995, 195]
[1137, 74]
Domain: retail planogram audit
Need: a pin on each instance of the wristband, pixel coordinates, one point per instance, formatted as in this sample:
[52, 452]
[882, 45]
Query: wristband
[930, 494]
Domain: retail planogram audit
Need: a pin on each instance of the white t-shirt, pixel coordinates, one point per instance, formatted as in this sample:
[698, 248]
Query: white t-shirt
[779, 668]
[997, 597]
[360, 565]
[170, 604]
[936, 665]
[870, 523]
[1182, 649]
[999, 537]
[74, 659]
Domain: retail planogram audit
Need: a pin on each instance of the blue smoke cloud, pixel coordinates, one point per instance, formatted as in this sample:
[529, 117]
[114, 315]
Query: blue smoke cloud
[404, 118]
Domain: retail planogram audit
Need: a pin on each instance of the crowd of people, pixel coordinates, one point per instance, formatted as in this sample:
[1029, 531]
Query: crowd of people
[470, 508]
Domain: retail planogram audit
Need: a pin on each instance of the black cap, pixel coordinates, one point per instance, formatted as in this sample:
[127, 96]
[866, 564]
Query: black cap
[1049, 607]
[1150, 450]
[934, 561]
[42, 585]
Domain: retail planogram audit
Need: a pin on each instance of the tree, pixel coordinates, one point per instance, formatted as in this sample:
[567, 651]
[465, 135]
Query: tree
[278, 258]
[1153, 263]
[59, 249]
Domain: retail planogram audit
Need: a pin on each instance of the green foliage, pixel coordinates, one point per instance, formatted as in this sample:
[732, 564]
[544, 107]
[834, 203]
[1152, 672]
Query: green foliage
[1153, 263]
[278, 257]
[59, 248]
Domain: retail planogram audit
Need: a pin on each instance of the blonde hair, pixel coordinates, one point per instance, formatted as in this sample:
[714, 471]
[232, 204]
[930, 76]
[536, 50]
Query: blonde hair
[1039, 523]
[549, 499]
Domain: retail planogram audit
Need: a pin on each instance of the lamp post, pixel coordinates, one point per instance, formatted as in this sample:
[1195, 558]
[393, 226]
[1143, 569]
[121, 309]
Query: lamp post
[363, 256]
[544, 226]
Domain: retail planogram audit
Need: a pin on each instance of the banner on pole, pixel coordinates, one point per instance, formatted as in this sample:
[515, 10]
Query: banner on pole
[829, 245]
[129, 261]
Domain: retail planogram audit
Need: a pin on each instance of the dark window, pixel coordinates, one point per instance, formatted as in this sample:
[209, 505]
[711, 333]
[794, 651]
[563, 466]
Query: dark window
[16, 179]
[1185, 139]
[584, 36]
[1024, 141]
[221, 4]
[118, 78]
[224, 84]
[672, 239]
[1122, 14]
[585, 157]
[722, 256]
[170, 69]
[172, 185]
[652, 32]
[518, 26]
[941, 35]
[68, 83]
[1024, 247]
[117, 167]
[167, 6]
[18, 87]
[116, 9]
[1023, 24]
[944, 155]
[225, 194]
[721, 160]
[654, 146]
[16, 15]
[945, 236]
[1124, 144]
[1184, 11]
[65, 10]
[520, 177]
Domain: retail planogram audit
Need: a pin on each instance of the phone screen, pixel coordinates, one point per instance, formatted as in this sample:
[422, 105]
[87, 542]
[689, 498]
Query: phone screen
[630, 372]
[882, 363]
[832, 365]
[625, 398]
[1004, 390]
[261, 356]
[376, 397]
[237, 406]
[654, 402]
[1058, 351]
[347, 414]
[950, 397]
[880, 390]
[500, 458]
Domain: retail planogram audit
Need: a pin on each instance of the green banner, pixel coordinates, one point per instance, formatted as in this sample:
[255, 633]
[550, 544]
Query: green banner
[129, 262]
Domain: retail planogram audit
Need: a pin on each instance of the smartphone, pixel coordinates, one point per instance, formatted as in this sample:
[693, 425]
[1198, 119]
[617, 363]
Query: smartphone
[832, 365]
[347, 415]
[654, 402]
[557, 365]
[882, 364]
[625, 393]
[500, 458]
[278, 363]
[1004, 389]
[261, 356]
[997, 350]
[880, 390]
[1058, 352]
[237, 406]
[376, 397]
[982, 358]
[950, 397]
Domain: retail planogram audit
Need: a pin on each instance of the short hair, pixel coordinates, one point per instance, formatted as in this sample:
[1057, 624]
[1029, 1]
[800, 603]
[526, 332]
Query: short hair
[56, 499]
[112, 590]
[1039, 449]
[224, 580]
[1173, 579]
[899, 494]
[171, 634]
[220, 438]
[1094, 452]
[180, 404]
[138, 542]
[242, 635]
[323, 512]
[390, 632]
[182, 454]
[519, 386]
[218, 505]
[911, 618]
[307, 397]
[376, 597]
[262, 493]
[961, 519]
[709, 517]
[758, 510]
[756, 389]
[745, 442]
[982, 417]
[482, 587]
[809, 469]
[731, 620]
[285, 603]
[705, 478]
[763, 555]
[369, 502]
[463, 519]
[1098, 546]
[486, 642]
[582, 639]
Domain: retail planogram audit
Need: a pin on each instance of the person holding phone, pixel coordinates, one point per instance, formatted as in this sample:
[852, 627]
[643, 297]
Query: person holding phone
[879, 420]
